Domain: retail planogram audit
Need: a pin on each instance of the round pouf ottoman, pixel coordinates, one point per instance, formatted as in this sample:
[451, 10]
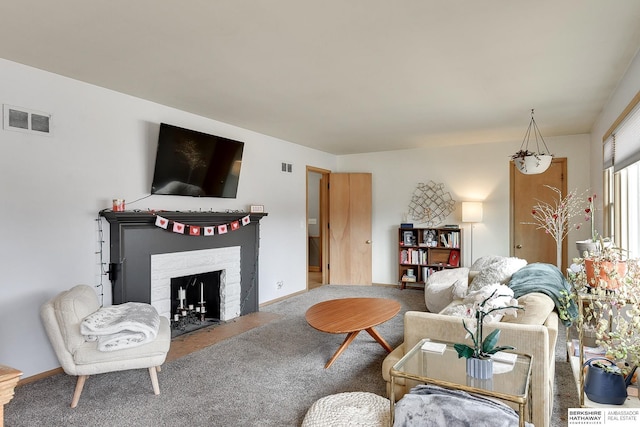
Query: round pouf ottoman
[348, 409]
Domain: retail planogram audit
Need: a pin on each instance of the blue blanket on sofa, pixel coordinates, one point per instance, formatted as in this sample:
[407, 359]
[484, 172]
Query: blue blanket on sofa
[546, 279]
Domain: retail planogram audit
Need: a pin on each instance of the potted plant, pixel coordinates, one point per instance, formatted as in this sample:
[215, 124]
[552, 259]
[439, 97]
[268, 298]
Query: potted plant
[613, 309]
[479, 362]
[605, 382]
[604, 269]
[595, 242]
[531, 163]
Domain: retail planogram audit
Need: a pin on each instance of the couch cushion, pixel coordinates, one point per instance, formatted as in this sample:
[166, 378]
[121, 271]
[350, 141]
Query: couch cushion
[537, 308]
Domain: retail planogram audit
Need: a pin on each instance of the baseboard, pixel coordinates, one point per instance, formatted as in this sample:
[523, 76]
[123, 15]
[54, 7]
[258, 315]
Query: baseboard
[273, 301]
[40, 376]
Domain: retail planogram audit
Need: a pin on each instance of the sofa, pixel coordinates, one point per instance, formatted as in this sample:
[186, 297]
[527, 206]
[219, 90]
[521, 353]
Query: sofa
[533, 331]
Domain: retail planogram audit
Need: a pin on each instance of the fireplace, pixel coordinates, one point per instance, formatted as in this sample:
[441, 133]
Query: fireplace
[198, 294]
[145, 258]
[186, 270]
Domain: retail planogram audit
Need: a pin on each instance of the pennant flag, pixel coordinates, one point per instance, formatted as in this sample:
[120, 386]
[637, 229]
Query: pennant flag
[194, 230]
[162, 222]
[246, 220]
[178, 228]
[209, 231]
[222, 229]
[235, 225]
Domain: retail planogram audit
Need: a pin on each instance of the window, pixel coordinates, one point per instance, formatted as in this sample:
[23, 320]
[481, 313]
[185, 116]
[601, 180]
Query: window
[622, 179]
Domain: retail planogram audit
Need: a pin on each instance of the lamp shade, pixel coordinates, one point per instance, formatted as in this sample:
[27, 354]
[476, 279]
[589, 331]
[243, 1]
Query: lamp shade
[471, 211]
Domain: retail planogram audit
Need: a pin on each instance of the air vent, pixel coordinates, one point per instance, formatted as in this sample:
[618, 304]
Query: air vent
[25, 120]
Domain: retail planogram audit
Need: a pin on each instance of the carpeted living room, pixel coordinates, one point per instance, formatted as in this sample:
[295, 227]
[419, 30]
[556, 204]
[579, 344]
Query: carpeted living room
[266, 213]
[269, 375]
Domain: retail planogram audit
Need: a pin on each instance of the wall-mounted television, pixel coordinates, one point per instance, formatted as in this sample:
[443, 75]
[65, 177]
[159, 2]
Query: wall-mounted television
[192, 163]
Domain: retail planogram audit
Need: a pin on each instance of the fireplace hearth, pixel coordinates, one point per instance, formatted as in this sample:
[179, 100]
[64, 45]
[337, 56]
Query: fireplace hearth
[145, 259]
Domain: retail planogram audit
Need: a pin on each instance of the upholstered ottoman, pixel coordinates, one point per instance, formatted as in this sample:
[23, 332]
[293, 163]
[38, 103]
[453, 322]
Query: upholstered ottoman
[348, 409]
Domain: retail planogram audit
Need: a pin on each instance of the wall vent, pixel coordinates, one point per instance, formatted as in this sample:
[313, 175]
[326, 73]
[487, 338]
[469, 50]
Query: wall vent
[25, 120]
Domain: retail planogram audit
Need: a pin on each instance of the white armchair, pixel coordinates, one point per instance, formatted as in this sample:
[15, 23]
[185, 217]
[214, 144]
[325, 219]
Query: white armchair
[62, 317]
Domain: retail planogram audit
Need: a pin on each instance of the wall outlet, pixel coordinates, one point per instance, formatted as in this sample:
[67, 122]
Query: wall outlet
[280, 284]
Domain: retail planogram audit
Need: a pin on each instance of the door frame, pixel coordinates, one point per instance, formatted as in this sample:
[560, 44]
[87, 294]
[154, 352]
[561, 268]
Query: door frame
[323, 221]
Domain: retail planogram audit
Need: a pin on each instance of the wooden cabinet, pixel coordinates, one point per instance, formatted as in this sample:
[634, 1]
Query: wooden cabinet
[421, 251]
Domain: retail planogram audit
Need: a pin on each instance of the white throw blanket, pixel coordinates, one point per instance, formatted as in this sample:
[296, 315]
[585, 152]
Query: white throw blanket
[121, 326]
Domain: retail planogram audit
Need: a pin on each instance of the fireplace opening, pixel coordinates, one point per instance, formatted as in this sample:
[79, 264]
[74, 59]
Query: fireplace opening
[195, 302]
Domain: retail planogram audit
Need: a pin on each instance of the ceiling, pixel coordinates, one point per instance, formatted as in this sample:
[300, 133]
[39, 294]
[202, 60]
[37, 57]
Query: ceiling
[344, 76]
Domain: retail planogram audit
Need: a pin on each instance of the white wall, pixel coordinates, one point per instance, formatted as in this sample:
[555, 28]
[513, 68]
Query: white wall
[628, 87]
[478, 172]
[103, 147]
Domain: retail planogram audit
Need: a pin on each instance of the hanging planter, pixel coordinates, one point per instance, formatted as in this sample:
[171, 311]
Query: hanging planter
[532, 162]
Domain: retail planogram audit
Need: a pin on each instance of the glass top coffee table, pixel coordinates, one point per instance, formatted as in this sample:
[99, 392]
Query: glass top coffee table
[510, 382]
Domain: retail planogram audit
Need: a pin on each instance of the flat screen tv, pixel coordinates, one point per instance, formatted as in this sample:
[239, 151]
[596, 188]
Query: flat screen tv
[191, 163]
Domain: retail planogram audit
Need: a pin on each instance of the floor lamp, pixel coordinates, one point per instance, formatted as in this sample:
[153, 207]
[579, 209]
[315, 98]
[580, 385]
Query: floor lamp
[471, 212]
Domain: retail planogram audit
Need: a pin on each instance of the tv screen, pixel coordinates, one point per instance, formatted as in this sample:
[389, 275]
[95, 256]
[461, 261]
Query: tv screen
[191, 163]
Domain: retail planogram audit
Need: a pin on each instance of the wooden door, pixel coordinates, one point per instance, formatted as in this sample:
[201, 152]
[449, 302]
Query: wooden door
[350, 228]
[528, 242]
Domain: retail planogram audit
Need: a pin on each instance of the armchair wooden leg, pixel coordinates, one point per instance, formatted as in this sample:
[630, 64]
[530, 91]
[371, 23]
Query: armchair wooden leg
[78, 390]
[154, 379]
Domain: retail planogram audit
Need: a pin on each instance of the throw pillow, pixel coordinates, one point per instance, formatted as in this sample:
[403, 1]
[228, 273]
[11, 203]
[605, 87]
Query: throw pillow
[537, 307]
[439, 285]
[497, 271]
[503, 297]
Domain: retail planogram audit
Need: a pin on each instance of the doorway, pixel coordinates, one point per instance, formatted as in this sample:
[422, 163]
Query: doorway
[317, 217]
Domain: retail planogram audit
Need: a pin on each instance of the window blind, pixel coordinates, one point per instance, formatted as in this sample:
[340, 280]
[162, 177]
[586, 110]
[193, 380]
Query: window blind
[622, 148]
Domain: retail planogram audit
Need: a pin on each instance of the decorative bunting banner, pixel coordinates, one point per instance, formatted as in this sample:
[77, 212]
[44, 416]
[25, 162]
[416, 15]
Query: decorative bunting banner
[197, 230]
[162, 222]
[178, 228]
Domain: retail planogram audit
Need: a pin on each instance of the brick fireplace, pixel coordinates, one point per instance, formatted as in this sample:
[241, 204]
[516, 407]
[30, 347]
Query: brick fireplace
[165, 267]
[144, 258]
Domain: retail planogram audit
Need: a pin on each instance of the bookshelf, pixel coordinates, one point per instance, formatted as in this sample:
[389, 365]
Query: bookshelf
[422, 251]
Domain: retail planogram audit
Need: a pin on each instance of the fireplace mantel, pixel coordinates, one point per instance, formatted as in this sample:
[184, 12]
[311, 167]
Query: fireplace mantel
[134, 237]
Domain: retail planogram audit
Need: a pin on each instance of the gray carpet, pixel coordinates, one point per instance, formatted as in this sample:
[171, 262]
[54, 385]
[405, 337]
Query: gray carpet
[268, 376]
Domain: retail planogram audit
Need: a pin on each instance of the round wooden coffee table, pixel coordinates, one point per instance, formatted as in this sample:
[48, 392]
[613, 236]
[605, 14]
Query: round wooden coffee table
[350, 316]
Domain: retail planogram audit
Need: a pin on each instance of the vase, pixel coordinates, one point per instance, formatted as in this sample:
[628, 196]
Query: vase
[606, 274]
[479, 368]
[588, 246]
